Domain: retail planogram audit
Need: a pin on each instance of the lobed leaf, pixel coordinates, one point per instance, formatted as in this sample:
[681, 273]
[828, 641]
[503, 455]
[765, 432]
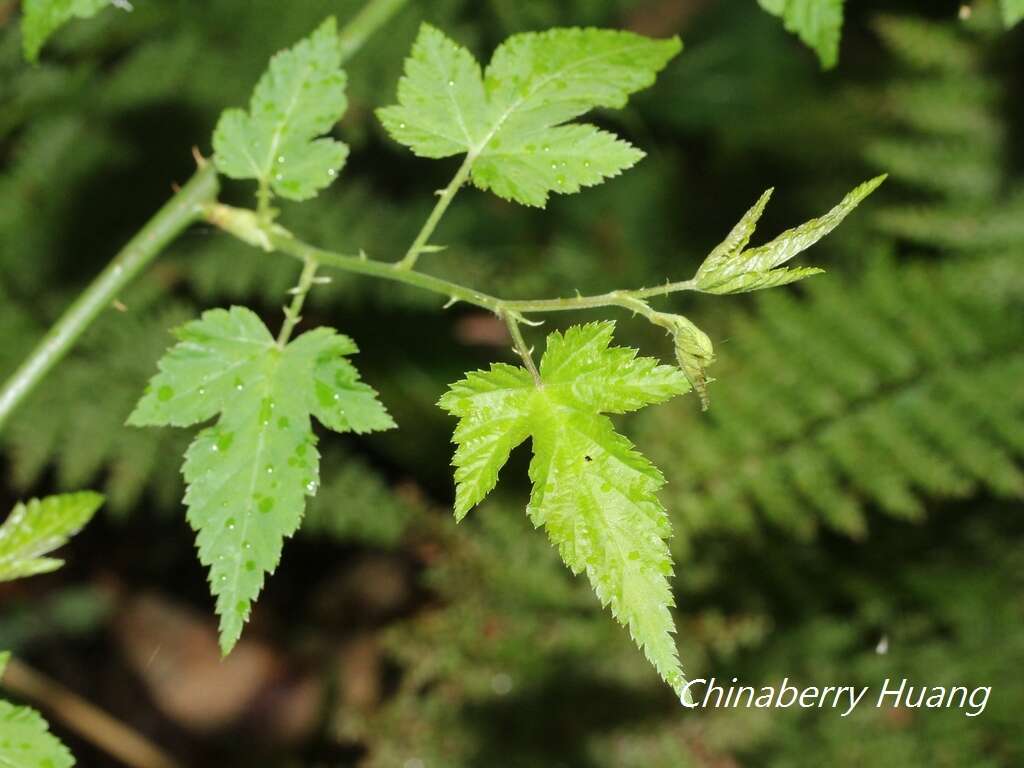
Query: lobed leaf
[510, 119]
[818, 23]
[26, 741]
[299, 98]
[41, 18]
[37, 528]
[595, 495]
[731, 268]
[493, 408]
[248, 475]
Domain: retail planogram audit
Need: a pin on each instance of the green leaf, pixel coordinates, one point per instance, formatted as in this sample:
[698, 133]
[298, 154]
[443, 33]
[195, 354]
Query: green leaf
[592, 491]
[738, 238]
[249, 474]
[41, 18]
[510, 119]
[37, 528]
[1013, 11]
[300, 97]
[26, 741]
[818, 23]
[732, 268]
[487, 432]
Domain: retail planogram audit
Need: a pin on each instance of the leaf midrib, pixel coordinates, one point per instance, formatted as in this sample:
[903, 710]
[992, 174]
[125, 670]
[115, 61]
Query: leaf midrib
[477, 151]
[249, 498]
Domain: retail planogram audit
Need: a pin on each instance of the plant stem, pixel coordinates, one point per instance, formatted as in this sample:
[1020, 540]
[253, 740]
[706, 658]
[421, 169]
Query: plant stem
[180, 211]
[520, 345]
[447, 195]
[285, 243]
[91, 723]
[610, 299]
[240, 222]
[374, 15]
[263, 200]
[293, 312]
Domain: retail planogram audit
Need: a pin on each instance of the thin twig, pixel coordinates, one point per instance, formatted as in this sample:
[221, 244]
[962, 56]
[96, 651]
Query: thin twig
[88, 721]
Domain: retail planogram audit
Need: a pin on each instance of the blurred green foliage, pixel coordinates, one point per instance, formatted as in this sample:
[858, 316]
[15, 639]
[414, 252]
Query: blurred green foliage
[859, 473]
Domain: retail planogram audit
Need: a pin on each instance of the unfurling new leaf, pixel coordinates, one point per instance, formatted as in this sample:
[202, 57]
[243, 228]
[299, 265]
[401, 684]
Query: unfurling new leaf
[510, 119]
[818, 23]
[595, 495]
[36, 528]
[41, 18]
[249, 474]
[299, 98]
[733, 268]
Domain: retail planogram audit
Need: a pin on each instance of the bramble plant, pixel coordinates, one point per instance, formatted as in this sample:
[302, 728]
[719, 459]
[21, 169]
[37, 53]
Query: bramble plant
[514, 125]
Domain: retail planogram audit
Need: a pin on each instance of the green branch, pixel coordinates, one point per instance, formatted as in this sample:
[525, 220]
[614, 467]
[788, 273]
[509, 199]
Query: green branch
[180, 211]
[243, 224]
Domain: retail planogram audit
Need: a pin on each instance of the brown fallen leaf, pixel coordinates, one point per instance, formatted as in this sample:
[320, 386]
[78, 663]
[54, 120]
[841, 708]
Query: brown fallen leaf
[174, 651]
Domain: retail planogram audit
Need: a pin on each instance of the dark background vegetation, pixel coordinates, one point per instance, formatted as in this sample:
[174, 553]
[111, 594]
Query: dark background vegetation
[858, 476]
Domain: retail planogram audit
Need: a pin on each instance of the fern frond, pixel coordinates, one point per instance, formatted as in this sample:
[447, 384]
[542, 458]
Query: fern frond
[880, 393]
[944, 142]
[973, 228]
[60, 146]
[952, 168]
[925, 45]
